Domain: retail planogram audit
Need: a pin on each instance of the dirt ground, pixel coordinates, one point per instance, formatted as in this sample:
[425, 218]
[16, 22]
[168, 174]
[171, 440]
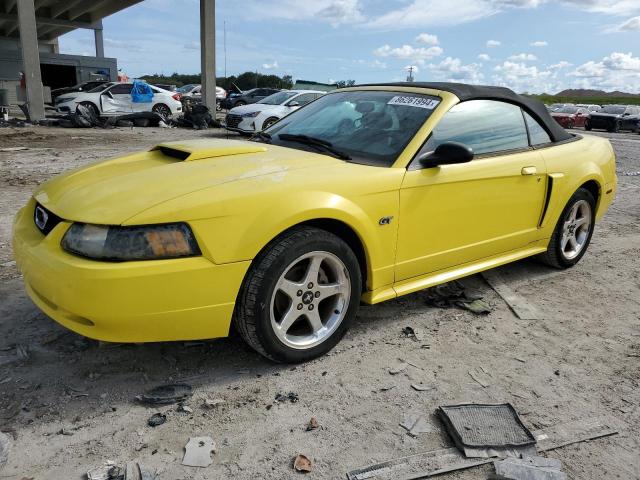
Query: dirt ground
[69, 405]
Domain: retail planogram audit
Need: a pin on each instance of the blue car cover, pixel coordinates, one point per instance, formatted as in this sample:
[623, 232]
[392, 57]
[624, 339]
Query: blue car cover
[141, 92]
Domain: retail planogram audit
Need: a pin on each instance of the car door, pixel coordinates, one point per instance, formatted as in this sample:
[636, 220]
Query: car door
[454, 214]
[117, 99]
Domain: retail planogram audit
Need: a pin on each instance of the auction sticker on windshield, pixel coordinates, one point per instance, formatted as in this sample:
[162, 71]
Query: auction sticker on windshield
[420, 102]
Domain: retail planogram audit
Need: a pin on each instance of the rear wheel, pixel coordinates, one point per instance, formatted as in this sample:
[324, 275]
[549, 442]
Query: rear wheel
[162, 110]
[570, 125]
[299, 296]
[573, 231]
[587, 125]
[240, 103]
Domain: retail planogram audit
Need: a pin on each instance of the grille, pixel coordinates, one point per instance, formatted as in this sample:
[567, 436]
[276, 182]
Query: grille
[233, 120]
[44, 219]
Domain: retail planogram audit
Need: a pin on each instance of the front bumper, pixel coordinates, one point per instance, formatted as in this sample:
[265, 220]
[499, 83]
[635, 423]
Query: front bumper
[237, 123]
[144, 301]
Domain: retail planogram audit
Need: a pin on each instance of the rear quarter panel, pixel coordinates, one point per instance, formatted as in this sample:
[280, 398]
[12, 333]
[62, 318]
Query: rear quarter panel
[571, 165]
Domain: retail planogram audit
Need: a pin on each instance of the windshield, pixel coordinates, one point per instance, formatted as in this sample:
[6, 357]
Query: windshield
[568, 110]
[371, 127]
[187, 88]
[277, 98]
[100, 87]
[615, 109]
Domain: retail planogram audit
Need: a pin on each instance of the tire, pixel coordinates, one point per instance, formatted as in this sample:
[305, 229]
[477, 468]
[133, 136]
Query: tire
[162, 110]
[239, 103]
[615, 128]
[90, 106]
[565, 256]
[267, 298]
[268, 122]
[587, 126]
[570, 126]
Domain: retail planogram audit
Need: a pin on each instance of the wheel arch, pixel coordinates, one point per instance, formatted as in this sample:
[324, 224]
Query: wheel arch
[594, 188]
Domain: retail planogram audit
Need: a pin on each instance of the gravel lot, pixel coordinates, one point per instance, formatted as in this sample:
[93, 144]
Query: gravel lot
[70, 405]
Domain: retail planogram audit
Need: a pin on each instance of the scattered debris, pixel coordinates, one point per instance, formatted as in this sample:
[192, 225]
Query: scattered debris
[399, 369]
[197, 452]
[415, 424]
[302, 464]
[108, 471]
[529, 468]
[5, 448]
[13, 149]
[455, 294]
[212, 403]
[518, 304]
[421, 388]
[184, 408]
[156, 420]
[65, 431]
[313, 424]
[480, 376]
[387, 388]
[166, 394]
[414, 333]
[487, 430]
[197, 116]
[21, 353]
[437, 462]
[630, 174]
[289, 397]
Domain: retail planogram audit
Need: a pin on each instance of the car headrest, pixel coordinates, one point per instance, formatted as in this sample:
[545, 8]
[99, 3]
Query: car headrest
[381, 120]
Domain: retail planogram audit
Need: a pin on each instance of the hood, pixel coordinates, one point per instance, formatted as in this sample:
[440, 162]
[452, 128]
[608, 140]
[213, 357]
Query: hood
[113, 191]
[254, 107]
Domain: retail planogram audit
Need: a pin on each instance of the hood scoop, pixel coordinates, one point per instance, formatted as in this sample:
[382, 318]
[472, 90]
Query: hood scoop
[188, 154]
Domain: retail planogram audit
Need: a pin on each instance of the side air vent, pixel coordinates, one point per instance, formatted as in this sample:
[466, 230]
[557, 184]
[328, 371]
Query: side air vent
[172, 152]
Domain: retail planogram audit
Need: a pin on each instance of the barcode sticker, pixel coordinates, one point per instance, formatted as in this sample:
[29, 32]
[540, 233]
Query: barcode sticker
[420, 102]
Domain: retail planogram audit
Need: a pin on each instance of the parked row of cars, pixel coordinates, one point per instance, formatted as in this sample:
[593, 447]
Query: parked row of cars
[612, 118]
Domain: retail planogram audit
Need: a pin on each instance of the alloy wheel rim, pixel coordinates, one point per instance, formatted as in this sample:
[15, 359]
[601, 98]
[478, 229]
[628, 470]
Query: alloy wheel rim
[576, 229]
[310, 300]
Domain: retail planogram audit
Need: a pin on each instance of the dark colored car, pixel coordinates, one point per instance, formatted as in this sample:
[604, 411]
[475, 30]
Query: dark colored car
[250, 96]
[570, 117]
[81, 87]
[614, 118]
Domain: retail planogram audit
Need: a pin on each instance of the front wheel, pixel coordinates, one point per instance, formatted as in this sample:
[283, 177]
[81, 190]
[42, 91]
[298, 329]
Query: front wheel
[300, 296]
[573, 231]
[268, 122]
[587, 126]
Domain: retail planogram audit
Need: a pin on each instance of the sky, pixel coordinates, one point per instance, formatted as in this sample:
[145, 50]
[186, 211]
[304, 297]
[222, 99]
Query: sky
[531, 46]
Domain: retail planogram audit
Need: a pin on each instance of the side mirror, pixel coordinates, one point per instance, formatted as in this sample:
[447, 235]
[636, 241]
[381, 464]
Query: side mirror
[447, 153]
[294, 104]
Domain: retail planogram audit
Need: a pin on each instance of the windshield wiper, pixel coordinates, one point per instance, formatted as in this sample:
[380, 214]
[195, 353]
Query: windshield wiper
[262, 137]
[314, 142]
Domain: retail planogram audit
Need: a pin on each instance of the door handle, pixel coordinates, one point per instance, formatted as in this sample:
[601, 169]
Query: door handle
[529, 170]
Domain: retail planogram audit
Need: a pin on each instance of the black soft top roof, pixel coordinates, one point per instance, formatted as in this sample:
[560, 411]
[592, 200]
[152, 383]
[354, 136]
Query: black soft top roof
[481, 92]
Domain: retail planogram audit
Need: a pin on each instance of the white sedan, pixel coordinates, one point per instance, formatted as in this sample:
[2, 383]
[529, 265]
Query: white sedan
[248, 119]
[115, 99]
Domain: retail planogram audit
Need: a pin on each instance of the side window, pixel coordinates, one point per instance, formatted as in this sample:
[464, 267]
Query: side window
[304, 98]
[537, 134]
[487, 126]
[121, 89]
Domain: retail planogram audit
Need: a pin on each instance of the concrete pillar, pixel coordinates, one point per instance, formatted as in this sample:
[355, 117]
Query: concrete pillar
[31, 58]
[208, 52]
[99, 39]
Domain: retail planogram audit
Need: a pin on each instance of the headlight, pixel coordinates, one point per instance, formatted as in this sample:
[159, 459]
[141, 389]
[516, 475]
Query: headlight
[119, 244]
[250, 115]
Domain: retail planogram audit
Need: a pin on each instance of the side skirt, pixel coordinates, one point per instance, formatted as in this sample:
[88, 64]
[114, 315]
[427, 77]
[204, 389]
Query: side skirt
[414, 284]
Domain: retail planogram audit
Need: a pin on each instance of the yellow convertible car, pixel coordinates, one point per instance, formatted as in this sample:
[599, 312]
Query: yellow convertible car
[363, 195]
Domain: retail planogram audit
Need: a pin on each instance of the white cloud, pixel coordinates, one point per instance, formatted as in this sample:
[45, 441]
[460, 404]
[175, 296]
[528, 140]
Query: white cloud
[609, 7]
[539, 43]
[618, 71]
[522, 77]
[427, 39]
[560, 65]
[453, 70]
[335, 12]
[408, 52]
[493, 43]
[630, 25]
[484, 57]
[524, 57]
[270, 66]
